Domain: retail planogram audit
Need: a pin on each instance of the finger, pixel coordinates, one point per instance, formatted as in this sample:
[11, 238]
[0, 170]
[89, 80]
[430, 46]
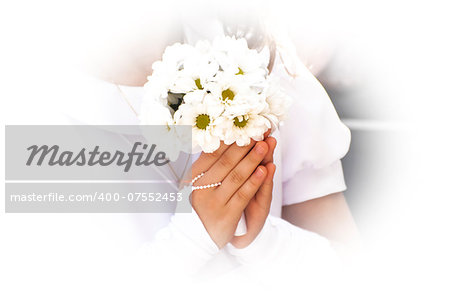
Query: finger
[243, 170]
[247, 191]
[264, 193]
[257, 210]
[206, 160]
[267, 133]
[227, 162]
[272, 142]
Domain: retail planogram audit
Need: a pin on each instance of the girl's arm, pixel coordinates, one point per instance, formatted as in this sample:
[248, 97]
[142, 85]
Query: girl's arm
[191, 240]
[328, 216]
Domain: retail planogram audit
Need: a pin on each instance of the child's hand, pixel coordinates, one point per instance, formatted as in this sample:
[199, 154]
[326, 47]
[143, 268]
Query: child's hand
[259, 206]
[242, 176]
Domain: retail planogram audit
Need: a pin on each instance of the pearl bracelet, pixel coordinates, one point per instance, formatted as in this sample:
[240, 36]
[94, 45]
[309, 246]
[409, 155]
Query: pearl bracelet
[197, 177]
[203, 186]
[206, 186]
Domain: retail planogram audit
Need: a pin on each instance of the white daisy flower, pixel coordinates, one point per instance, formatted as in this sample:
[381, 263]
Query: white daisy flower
[201, 117]
[241, 129]
[174, 57]
[231, 92]
[235, 58]
[196, 72]
[166, 75]
[278, 103]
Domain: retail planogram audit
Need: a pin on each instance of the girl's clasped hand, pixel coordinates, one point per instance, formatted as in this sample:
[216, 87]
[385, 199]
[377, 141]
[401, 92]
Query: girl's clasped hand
[246, 177]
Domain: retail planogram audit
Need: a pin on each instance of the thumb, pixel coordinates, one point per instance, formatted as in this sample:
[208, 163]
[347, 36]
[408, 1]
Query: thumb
[264, 194]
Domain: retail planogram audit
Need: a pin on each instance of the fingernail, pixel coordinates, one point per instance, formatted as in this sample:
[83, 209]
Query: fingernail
[259, 171]
[261, 150]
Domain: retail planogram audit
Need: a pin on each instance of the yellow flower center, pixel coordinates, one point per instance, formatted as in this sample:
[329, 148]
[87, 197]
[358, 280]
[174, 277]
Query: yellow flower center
[240, 72]
[202, 121]
[198, 84]
[227, 94]
[240, 123]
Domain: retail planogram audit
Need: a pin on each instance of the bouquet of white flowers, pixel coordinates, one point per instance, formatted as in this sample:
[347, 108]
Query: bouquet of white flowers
[222, 89]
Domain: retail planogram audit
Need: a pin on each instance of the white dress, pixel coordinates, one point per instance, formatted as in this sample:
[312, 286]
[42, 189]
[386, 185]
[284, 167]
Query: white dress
[311, 143]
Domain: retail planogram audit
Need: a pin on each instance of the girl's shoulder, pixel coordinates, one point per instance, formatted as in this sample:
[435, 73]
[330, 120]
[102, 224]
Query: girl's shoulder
[313, 136]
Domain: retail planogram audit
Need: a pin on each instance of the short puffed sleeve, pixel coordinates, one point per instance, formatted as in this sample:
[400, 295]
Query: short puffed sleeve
[313, 139]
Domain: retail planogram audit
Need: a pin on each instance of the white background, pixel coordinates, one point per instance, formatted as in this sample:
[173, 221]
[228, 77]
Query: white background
[402, 48]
